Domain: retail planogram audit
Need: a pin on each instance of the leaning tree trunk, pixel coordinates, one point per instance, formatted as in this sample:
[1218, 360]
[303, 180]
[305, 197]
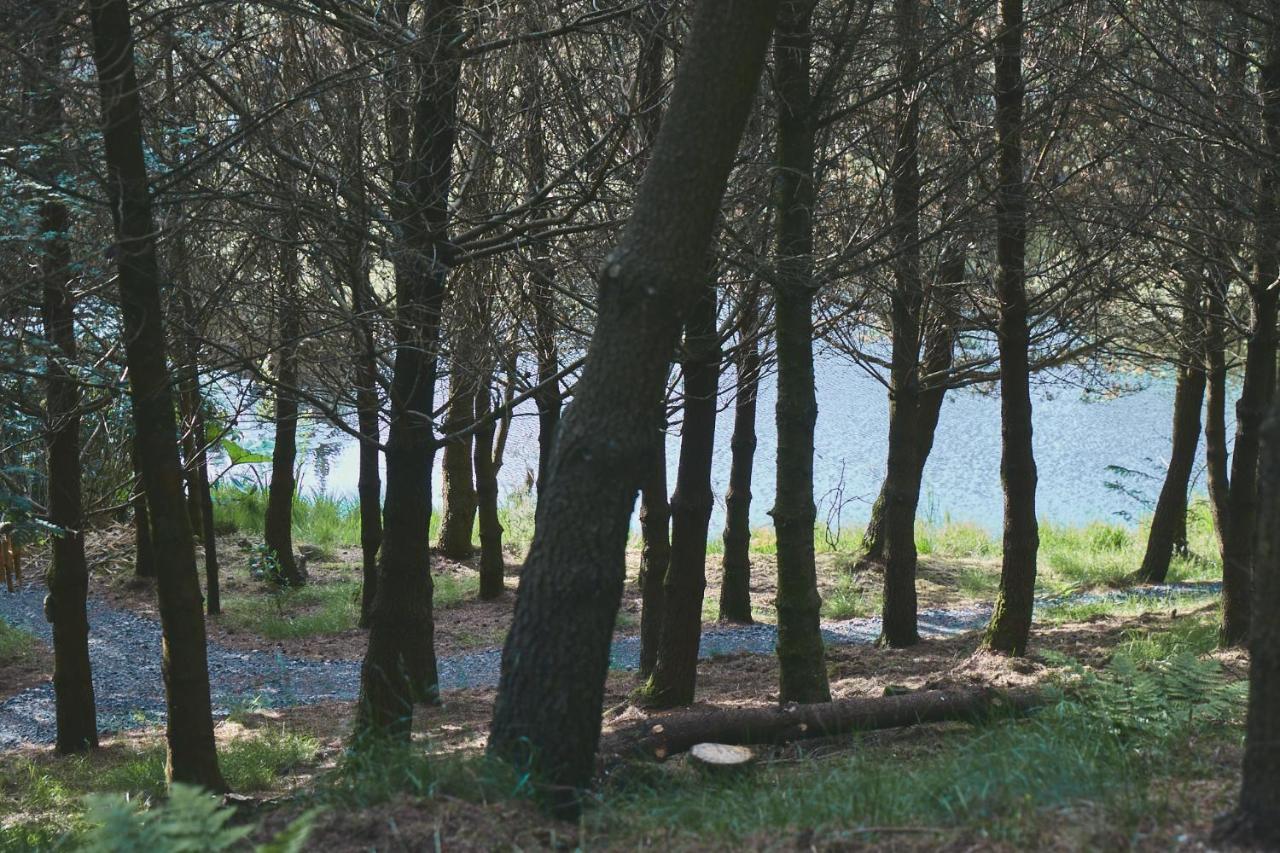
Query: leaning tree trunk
[278, 527]
[735, 582]
[399, 666]
[1011, 622]
[68, 576]
[898, 615]
[655, 549]
[676, 673]
[1255, 822]
[1170, 518]
[192, 756]
[547, 715]
[801, 666]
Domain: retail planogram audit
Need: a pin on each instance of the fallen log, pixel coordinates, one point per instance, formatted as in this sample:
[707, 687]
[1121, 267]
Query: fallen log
[675, 733]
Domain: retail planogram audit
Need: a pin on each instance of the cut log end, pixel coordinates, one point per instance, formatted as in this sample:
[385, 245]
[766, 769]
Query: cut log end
[721, 755]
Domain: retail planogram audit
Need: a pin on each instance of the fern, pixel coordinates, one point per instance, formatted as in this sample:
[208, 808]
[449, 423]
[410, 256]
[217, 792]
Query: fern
[191, 821]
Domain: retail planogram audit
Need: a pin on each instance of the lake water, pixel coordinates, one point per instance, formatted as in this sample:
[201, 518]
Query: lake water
[1077, 437]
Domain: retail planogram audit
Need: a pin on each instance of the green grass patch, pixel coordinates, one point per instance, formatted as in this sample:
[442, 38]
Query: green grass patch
[846, 600]
[954, 539]
[290, 613]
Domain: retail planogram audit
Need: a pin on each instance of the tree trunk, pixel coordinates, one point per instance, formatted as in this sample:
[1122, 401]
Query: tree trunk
[541, 282]
[369, 483]
[670, 734]
[898, 616]
[400, 664]
[68, 576]
[547, 714]
[458, 518]
[1169, 523]
[1259, 384]
[800, 652]
[675, 676]
[196, 457]
[278, 527]
[491, 563]
[1215, 423]
[144, 558]
[655, 549]
[1256, 819]
[735, 582]
[1011, 621]
[192, 756]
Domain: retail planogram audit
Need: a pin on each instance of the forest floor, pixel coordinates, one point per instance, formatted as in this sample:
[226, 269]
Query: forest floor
[1136, 759]
[1076, 775]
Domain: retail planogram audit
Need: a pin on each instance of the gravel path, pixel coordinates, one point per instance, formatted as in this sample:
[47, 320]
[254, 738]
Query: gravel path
[125, 652]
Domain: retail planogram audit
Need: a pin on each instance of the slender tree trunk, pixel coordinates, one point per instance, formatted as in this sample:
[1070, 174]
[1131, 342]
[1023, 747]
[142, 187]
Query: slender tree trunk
[1169, 523]
[400, 664]
[547, 714]
[144, 558]
[278, 527]
[68, 576]
[1215, 423]
[458, 518]
[491, 563]
[369, 483]
[541, 282]
[735, 583]
[197, 456]
[800, 651]
[192, 756]
[675, 676]
[898, 616]
[655, 509]
[1011, 622]
[1255, 822]
[655, 551]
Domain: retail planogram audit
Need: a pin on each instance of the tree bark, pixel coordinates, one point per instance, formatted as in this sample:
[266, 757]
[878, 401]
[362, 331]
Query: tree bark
[1011, 621]
[655, 549]
[1169, 522]
[278, 526]
[800, 651]
[898, 615]
[192, 756]
[671, 734]
[735, 582]
[491, 563]
[400, 663]
[68, 576]
[547, 714]
[675, 676]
